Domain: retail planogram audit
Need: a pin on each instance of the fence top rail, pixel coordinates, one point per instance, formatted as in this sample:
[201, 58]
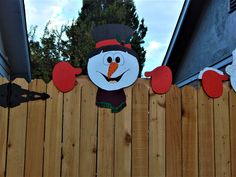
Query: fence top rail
[84, 80]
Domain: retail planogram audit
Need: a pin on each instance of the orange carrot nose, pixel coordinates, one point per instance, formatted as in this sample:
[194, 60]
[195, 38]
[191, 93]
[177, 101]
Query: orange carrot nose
[112, 68]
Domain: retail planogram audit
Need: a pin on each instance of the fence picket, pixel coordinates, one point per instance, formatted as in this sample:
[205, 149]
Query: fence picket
[140, 130]
[53, 132]
[205, 135]
[157, 135]
[35, 132]
[105, 143]
[189, 132]
[17, 136]
[3, 134]
[222, 139]
[233, 130]
[123, 139]
[173, 133]
[88, 132]
[71, 133]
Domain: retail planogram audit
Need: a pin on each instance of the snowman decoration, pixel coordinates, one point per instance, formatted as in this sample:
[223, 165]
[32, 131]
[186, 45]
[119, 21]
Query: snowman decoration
[113, 65]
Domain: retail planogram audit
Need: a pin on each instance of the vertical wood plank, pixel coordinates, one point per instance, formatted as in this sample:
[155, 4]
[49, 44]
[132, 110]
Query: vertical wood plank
[205, 135]
[222, 143]
[17, 136]
[53, 132]
[3, 133]
[88, 132]
[105, 143]
[173, 133]
[35, 132]
[123, 138]
[189, 132]
[157, 135]
[233, 130]
[140, 131]
[71, 133]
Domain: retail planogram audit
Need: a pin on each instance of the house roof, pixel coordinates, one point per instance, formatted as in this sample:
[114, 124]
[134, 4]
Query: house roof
[184, 29]
[14, 37]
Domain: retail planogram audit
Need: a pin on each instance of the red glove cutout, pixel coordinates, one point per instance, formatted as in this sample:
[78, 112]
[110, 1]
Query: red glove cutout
[161, 79]
[212, 83]
[64, 76]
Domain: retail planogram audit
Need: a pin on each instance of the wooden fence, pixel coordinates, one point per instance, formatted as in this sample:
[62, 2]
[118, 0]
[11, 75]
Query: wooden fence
[181, 134]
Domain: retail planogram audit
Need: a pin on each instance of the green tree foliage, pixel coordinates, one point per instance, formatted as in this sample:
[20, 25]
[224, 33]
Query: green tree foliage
[78, 44]
[46, 52]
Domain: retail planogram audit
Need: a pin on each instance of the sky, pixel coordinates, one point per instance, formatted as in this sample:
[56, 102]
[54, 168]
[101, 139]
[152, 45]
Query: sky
[160, 16]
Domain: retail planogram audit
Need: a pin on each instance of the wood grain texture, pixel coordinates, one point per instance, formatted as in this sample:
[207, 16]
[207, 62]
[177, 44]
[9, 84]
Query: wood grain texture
[206, 135]
[123, 139]
[157, 135]
[189, 132]
[17, 136]
[140, 131]
[222, 138]
[53, 132]
[3, 134]
[35, 132]
[88, 132]
[154, 136]
[173, 133]
[233, 131]
[71, 133]
[105, 166]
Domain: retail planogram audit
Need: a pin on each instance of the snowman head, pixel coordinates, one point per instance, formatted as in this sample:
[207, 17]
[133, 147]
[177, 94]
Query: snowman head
[113, 65]
[113, 70]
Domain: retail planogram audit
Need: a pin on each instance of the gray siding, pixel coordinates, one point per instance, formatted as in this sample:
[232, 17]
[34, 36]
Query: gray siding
[213, 40]
[14, 38]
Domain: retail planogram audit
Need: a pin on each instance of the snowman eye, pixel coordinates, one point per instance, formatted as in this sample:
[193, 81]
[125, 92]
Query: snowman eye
[107, 59]
[119, 58]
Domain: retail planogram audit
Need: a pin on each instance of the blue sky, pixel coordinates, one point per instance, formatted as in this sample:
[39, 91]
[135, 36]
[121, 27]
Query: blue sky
[160, 16]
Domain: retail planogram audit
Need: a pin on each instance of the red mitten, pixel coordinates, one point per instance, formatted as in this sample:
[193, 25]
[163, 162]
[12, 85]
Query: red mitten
[161, 79]
[64, 76]
[212, 83]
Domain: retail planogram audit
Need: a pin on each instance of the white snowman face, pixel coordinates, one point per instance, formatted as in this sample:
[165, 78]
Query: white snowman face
[113, 70]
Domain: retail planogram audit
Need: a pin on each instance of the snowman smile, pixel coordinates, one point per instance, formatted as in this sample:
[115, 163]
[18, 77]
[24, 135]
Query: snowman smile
[113, 80]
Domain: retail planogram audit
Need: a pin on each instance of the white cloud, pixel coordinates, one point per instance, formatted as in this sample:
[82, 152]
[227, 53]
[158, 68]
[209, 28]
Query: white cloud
[58, 12]
[153, 49]
[155, 53]
[153, 46]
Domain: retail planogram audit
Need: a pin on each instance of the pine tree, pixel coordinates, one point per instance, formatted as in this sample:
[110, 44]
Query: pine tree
[97, 12]
[46, 52]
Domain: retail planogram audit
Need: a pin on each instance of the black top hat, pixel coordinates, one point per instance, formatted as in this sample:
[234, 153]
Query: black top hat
[112, 31]
[112, 37]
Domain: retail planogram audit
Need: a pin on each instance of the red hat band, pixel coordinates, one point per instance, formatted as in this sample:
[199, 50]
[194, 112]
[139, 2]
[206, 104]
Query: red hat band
[110, 42]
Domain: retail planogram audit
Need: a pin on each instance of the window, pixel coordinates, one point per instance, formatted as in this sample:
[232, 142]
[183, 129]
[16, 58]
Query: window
[232, 5]
[1, 45]
[4, 69]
